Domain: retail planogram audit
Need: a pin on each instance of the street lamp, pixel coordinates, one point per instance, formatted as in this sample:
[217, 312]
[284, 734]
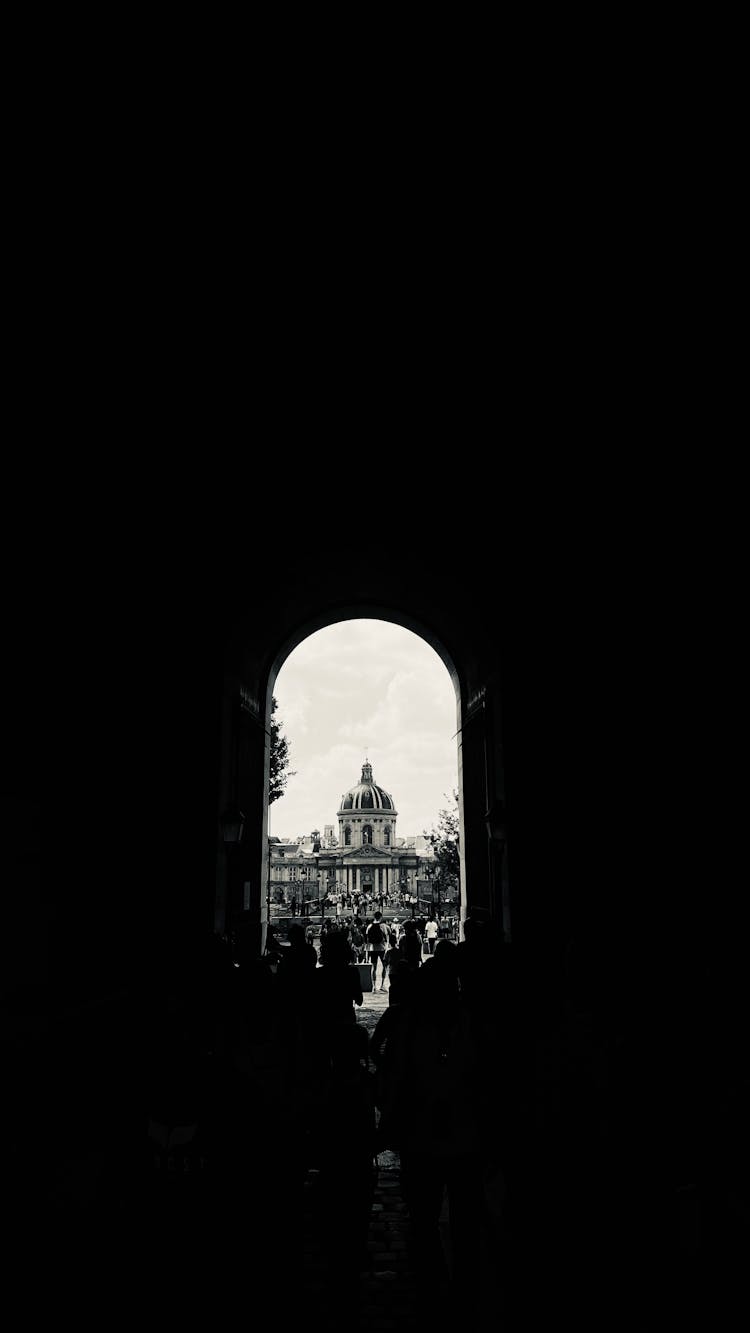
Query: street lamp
[232, 823]
[428, 877]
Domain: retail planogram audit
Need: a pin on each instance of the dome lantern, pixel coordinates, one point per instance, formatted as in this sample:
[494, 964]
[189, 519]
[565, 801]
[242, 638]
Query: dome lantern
[367, 795]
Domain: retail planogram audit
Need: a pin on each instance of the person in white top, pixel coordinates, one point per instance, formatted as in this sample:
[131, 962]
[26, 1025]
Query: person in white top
[431, 934]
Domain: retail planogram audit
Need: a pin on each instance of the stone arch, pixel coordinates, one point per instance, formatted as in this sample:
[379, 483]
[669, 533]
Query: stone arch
[265, 657]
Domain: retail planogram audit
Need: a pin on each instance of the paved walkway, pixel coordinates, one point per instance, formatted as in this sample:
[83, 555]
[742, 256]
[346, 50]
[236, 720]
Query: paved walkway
[388, 1293]
[389, 1297]
[389, 1290]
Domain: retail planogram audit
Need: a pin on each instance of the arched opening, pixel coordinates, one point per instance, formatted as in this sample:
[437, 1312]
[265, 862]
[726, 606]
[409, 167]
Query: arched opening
[467, 652]
[535, 659]
[372, 824]
[363, 824]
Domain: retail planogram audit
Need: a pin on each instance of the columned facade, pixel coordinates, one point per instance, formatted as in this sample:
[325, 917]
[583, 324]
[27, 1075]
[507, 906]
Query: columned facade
[367, 867]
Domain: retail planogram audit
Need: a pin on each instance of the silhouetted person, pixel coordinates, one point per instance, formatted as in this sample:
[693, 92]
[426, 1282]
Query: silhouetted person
[391, 959]
[410, 946]
[446, 953]
[336, 984]
[376, 943]
[431, 929]
[301, 957]
[346, 1148]
[274, 946]
[358, 941]
[203, 1114]
[386, 1055]
[295, 973]
[475, 967]
[440, 1080]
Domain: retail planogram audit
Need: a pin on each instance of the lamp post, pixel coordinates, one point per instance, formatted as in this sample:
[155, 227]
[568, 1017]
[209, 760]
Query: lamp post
[428, 877]
[232, 823]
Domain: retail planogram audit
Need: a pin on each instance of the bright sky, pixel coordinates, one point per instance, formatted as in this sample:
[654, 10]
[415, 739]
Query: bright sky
[365, 689]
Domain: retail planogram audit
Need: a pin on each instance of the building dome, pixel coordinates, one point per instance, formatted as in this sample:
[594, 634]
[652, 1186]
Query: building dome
[366, 795]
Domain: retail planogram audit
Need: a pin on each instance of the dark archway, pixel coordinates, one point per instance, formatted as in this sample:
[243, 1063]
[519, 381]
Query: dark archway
[247, 746]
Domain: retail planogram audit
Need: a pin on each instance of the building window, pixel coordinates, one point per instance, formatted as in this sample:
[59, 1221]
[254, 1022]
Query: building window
[367, 835]
[347, 836]
[387, 837]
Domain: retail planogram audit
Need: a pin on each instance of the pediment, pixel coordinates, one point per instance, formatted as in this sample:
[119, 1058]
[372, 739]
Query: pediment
[367, 854]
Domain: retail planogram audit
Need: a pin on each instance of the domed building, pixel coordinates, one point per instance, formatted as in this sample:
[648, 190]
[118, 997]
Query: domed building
[367, 814]
[370, 861]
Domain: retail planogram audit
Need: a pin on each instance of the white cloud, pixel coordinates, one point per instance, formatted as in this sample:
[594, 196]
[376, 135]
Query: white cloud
[365, 689]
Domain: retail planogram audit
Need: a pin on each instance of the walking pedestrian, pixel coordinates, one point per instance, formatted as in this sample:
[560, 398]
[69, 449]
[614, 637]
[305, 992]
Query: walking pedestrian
[376, 943]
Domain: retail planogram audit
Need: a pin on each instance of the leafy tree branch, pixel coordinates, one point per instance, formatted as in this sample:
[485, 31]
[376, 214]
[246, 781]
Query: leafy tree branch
[280, 772]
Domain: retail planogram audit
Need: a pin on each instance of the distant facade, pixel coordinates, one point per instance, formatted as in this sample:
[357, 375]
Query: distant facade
[369, 867]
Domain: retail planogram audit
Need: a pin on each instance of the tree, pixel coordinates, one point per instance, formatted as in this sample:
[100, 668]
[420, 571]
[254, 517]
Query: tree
[444, 840]
[279, 758]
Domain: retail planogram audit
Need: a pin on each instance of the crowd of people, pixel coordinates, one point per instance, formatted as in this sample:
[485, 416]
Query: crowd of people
[274, 1047]
[376, 936]
[341, 905]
